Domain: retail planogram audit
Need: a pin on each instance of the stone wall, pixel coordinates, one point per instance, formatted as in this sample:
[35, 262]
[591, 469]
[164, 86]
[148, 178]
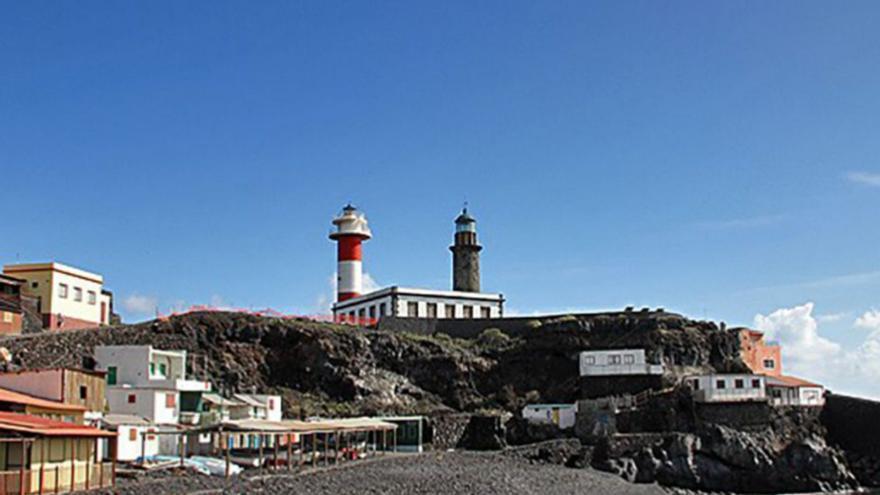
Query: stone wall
[445, 431]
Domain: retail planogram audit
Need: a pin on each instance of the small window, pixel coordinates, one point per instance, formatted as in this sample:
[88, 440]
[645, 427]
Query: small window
[272, 404]
[449, 311]
[132, 399]
[769, 364]
[170, 400]
[62, 291]
[720, 384]
[590, 360]
[152, 369]
[93, 298]
[412, 309]
[77, 294]
[83, 392]
[739, 383]
[34, 285]
[372, 312]
[362, 313]
[485, 312]
[468, 312]
[7, 317]
[756, 383]
[695, 384]
[382, 310]
[614, 359]
[111, 375]
[629, 359]
[432, 310]
[132, 435]
[163, 369]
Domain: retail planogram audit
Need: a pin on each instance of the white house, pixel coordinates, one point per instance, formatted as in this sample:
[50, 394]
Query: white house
[728, 387]
[790, 391]
[562, 415]
[420, 303]
[136, 436]
[257, 406]
[617, 362]
[159, 406]
[147, 382]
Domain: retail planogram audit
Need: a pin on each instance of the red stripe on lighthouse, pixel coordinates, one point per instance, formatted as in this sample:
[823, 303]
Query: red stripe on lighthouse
[349, 248]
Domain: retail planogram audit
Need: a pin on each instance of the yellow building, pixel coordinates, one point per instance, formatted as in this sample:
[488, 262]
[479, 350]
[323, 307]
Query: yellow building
[39, 455]
[69, 298]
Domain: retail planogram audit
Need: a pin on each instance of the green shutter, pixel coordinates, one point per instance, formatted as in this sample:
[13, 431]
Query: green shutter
[111, 375]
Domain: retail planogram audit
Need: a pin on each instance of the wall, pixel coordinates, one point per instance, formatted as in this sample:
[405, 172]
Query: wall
[400, 308]
[149, 404]
[754, 350]
[708, 390]
[49, 277]
[629, 362]
[10, 322]
[95, 389]
[129, 449]
[592, 387]
[41, 383]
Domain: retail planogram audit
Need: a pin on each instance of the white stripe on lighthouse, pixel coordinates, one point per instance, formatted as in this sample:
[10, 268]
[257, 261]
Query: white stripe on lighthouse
[349, 277]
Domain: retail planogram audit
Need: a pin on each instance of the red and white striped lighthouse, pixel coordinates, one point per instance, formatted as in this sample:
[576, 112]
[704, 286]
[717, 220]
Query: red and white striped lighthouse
[351, 231]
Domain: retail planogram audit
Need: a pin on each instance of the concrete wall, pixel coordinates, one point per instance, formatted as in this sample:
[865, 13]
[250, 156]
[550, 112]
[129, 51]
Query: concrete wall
[707, 388]
[151, 404]
[129, 442]
[39, 383]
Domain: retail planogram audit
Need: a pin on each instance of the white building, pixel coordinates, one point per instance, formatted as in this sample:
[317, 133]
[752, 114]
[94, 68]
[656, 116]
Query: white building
[561, 415]
[728, 387]
[136, 436]
[266, 407]
[617, 362]
[420, 303]
[147, 382]
[790, 391]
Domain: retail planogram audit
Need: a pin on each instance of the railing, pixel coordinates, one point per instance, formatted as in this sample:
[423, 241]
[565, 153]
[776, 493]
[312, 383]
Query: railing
[56, 478]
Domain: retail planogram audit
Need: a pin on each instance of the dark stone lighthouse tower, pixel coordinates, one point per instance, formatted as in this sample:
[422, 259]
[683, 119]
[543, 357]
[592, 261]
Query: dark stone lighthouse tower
[465, 254]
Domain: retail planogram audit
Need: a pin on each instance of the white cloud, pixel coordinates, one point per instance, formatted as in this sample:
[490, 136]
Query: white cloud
[832, 317]
[798, 331]
[368, 283]
[809, 354]
[864, 178]
[137, 304]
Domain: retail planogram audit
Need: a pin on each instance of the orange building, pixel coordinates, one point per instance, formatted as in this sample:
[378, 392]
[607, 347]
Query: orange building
[763, 358]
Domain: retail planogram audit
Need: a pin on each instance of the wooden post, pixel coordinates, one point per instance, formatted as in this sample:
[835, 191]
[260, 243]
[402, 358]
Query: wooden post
[226, 448]
[260, 457]
[275, 460]
[73, 465]
[143, 447]
[58, 473]
[314, 449]
[21, 468]
[326, 449]
[289, 451]
[43, 443]
[114, 453]
[181, 449]
[88, 465]
[302, 450]
[394, 440]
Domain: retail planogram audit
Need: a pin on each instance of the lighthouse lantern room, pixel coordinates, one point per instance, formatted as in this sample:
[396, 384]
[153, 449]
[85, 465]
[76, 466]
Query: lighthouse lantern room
[351, 230]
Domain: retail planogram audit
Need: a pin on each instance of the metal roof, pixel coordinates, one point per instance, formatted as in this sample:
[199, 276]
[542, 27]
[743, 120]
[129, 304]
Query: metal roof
[11, 397]
[26, 423]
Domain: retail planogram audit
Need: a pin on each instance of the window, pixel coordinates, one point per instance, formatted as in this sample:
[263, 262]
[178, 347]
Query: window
[111, 375]
[132, 399]
[756, 383]
[13, 454]
[62, 291]
[170, 400]
[93, 298]
[7, 317]
[163, 369]
[739, 383]
[591, 360]
[468, 312]
[271, 403]
[432, 310]
[83, 392]
[77, 294]
[614, 359]
[695, 384]
[629, 359]
[132, 435]
[769, 364]
[485, 312]
[719, 384]
[372, 312]
[34, 285]
[449, 311]
[362, 313]
[412, 309]
[382, 310]
[152, 369]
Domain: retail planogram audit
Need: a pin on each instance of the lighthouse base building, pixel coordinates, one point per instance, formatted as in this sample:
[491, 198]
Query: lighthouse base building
[420, 303]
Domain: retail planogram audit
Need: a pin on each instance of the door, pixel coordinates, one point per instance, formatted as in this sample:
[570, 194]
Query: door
[103, 312]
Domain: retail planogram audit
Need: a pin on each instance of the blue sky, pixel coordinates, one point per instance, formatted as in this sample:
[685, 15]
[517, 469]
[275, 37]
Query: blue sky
[718, 159]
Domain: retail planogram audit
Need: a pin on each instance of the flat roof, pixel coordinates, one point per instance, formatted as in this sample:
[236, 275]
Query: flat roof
[53, 266]
[124, 419]
[55, 368]
[410, 291]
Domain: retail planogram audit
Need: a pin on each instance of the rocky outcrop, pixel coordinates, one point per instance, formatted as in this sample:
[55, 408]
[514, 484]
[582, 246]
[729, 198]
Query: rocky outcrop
[853, 426]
